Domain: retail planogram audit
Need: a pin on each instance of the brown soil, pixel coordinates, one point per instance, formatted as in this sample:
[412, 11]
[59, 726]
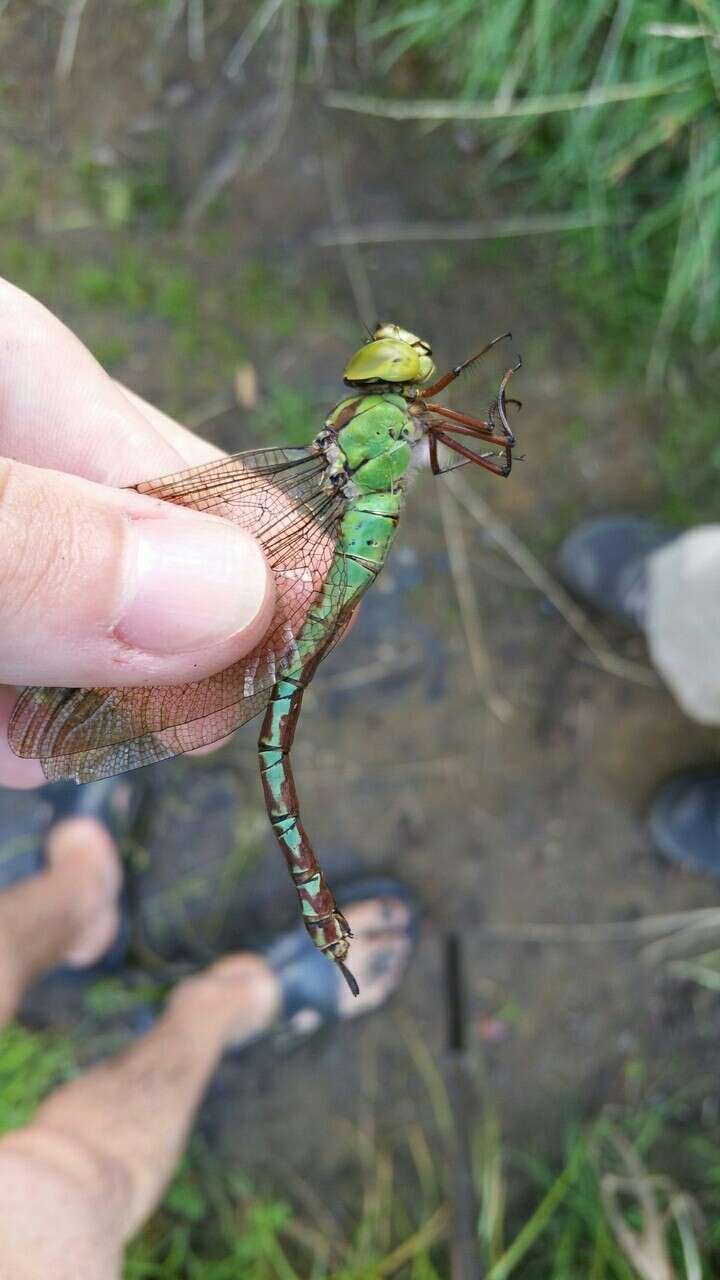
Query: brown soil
[400, 764]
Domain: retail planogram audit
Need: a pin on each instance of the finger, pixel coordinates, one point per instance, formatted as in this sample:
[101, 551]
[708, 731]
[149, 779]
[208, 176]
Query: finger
[100, 586]
[59, 409]
[14, 772]
[193, 449]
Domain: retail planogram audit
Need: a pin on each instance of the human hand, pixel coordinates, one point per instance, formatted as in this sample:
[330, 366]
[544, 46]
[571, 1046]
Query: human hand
[100, 586]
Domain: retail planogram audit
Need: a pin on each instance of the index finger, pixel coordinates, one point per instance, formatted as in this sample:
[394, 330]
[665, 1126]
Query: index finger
[60, 409]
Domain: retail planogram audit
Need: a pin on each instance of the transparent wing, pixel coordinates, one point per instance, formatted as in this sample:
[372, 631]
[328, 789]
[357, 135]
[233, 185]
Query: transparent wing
[277, 495]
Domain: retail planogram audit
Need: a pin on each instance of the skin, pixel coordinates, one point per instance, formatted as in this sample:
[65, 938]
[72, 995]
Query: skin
[79, 1181]
[74, 606]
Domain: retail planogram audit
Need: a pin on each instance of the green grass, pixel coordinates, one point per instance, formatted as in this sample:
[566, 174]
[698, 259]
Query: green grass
[127, 195]
[540, 1218]
[287, 415]
[30, 1065]
[647, 168]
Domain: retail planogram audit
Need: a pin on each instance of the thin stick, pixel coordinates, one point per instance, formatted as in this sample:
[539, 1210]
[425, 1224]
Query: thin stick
[196, 30]
[346, 238]
[469, 611]
[439, 109]
[243, 47]
[424, 1238]
[614, 930]
[492, 229]
[68, 39]
[237, 157]
[170, 18]
[575, 617]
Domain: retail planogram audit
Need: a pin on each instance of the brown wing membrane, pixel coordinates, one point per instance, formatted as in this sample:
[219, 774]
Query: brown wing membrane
[277, 495]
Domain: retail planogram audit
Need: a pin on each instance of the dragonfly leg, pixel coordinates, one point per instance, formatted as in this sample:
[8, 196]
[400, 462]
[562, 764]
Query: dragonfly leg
[452, 374]
[326, 925]
[475, 426]
[482, 459]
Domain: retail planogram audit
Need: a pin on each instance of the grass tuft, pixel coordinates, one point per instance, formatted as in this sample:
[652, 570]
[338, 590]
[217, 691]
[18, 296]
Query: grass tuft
[608, 108]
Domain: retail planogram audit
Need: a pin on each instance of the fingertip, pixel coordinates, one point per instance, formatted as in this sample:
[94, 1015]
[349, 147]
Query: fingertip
[195, 584]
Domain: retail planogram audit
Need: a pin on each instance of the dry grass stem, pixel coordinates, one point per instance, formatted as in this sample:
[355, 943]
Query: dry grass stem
[346, 241]
[656, 926]
[439, 109]
[491, 229]
[69, 39]
[535, 572]
[679, 31]
[469, 609]
[238, 157]
[244, 46]
[196, 30]
[429, 1234]
[660, 1203]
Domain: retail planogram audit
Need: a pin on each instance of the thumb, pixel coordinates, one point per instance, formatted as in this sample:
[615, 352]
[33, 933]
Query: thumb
[100, 586]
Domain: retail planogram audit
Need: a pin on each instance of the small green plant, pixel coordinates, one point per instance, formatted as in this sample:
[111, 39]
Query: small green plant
[605, 1209]
[125, 196]
[31, 1064]
[287, 416]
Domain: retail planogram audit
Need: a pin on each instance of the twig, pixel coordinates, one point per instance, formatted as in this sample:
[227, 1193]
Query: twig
[682, 939]
[646, 1248]
[469, 611]
[196, 30]
[513, 72]
[170, 18]
[346, 240]
[439, 109]
[237, 157]
[603, 931]
[424, 1238]
[575, 617]
[68, 39]
[371, 673]
[492, 229]
[243, 47]
[678, 30]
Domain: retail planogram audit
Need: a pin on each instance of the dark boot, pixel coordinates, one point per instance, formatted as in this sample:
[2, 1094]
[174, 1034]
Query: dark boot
[604, 562]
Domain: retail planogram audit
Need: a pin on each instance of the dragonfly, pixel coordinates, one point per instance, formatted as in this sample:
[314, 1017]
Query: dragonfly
[326, 517]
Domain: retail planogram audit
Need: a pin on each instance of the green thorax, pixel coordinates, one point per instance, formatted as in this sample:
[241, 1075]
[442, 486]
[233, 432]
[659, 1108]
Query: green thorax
[367, 445]
[368, 442]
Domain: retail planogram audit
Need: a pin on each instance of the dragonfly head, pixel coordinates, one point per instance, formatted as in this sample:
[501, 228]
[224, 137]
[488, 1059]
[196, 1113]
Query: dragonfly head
[393, 357]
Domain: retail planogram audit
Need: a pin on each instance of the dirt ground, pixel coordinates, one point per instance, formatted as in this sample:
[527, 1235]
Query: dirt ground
[497, 824]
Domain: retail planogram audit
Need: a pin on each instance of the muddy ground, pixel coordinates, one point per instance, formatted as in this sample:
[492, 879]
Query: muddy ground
[402, 767]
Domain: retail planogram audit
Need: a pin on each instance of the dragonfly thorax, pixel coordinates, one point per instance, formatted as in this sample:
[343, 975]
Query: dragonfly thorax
[368, 443]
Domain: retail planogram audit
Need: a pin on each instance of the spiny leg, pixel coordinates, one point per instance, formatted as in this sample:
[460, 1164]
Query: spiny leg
[480, 425]
[449, 377]
[483, 460]
[484, 437]
[326, 925]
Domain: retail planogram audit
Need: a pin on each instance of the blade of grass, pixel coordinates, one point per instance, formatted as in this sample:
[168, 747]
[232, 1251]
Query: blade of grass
[536, 1224]
[437, 109]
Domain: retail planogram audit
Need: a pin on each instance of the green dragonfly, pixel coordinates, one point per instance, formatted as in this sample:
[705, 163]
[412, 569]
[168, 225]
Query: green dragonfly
[326, 517]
